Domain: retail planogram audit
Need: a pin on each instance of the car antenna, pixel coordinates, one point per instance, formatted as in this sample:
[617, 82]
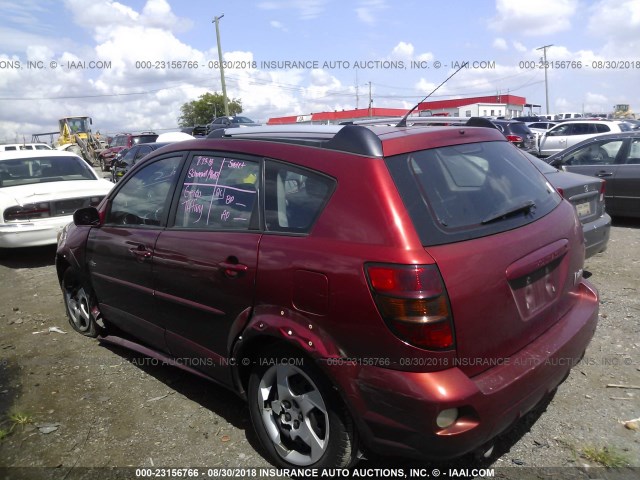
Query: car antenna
[403, 122]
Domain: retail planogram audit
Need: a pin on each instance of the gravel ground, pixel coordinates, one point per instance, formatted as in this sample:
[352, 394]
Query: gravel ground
[68, 402]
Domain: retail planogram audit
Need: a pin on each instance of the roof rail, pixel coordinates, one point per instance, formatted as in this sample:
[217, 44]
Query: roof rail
[346, 138]
[415, 121]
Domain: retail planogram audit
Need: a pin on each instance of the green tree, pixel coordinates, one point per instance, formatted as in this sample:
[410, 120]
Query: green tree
[206, 108]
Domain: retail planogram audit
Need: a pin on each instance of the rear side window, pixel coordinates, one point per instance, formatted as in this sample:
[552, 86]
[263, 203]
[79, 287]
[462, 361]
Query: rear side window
[294, 197]
[468, 191]
[601, 128]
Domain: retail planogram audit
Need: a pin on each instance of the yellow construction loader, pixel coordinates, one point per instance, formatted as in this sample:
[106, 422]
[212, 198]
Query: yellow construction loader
[76, 137]
[622, 111]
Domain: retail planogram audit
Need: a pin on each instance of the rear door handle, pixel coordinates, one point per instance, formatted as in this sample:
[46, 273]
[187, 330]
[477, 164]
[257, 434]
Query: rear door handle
[232, 270]
[140, 252]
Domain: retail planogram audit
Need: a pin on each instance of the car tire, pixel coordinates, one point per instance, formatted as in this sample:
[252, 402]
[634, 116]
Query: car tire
[79, 302]
[103, 166]
[298, 418]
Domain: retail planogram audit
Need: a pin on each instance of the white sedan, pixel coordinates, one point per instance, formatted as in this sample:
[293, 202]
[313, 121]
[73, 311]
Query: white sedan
[39, 191]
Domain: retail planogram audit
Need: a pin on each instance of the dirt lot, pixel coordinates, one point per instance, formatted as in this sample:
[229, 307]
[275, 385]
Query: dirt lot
[68, 402]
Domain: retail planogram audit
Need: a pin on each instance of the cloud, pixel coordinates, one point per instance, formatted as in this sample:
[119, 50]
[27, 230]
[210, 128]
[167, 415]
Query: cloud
[369, 10]
[617, 23]
[542, 17]
[519, 46]
[403, 50]
[406, 51]
[500, 44]
[307, 9]
[278, 25]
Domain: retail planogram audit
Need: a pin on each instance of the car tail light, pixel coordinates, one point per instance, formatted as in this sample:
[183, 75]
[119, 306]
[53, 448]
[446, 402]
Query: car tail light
[514, 138]
[27, 211]
[560, 191]
[414, 303]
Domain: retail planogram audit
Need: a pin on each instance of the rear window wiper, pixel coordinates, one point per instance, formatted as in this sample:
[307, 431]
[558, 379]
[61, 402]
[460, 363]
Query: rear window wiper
[525, 207]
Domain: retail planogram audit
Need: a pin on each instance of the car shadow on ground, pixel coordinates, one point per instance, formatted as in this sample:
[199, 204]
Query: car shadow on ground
[205, 393]
[625, 222]
[227, 405]
[28, 257]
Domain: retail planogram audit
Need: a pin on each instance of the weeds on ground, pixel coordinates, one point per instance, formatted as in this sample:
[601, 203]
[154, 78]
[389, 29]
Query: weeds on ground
[607, 457]
[18, 418]
[21, 419]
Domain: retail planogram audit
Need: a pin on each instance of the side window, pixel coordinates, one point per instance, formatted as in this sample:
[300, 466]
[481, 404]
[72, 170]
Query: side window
[601, 128]
[294, 197]
[218, 193]
[581, 129]
[142, 151]
[128, 157]
[561, 130]
[144, 197]
[597, 153]
[634, 153]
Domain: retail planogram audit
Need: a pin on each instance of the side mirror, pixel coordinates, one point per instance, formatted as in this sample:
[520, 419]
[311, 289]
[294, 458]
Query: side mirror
[87, 216]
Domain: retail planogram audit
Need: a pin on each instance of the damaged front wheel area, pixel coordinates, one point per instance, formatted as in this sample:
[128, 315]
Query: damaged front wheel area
[80, 305]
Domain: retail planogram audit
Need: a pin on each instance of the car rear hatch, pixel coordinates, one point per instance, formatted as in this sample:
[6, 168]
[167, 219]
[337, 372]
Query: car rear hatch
[508, 289]
[585, 193]
[508, 248]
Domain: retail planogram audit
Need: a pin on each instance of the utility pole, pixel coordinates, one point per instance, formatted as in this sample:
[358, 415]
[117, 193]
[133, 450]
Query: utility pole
[546, 85]
[370, 101]
[224, 87]
[357, 92]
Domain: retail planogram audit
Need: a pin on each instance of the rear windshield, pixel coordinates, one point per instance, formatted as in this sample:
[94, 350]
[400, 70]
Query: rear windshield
[144, 139]
[520, 128]
[469, 191]
[25, 171]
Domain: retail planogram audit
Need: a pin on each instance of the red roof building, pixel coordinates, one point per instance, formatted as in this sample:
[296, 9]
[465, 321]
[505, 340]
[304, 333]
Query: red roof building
[513, 105]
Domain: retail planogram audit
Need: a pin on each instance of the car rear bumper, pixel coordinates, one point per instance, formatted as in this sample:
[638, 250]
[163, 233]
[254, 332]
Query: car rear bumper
[596, 235]
[396, 410]
[32, 234]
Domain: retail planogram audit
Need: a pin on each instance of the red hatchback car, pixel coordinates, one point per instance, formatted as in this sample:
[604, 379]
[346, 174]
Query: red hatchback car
[409, 291]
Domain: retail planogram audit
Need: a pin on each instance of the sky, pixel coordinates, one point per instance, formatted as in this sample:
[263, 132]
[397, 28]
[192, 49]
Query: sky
[117, 61]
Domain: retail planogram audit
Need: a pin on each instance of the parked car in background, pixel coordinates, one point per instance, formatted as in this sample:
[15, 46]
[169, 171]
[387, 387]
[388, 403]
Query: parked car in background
[24, 146]
[517, 133]
[39, 191]
[265, 260]
[567, 116]
[569, 133]
[123, 164]
[540, 128]
[230, 122]
[527, 118]
[587, 195]
[615, 158]
[122, 141]
[195, 131]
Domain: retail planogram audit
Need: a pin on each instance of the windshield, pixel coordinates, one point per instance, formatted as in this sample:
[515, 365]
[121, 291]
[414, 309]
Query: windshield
[145, 139]
[471, 190]
[241, 120]
[77, 125]
[26, 171]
